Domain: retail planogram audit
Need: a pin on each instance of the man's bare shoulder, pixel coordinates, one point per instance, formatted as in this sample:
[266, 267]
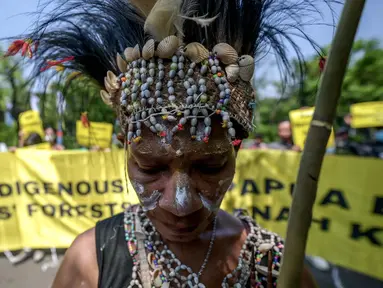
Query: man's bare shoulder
[79, 267]
[83, 248]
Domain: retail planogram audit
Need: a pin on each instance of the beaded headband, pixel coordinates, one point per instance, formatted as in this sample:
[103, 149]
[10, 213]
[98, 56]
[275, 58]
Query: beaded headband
[182, 84]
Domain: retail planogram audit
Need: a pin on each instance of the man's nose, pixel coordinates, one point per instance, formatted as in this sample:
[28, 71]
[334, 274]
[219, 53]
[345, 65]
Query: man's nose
[180, 197]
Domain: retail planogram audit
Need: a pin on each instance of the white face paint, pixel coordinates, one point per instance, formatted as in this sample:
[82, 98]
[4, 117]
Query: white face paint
[224, 182]
[150, 203]
[210, 205]
[138, 187]
[183, 197]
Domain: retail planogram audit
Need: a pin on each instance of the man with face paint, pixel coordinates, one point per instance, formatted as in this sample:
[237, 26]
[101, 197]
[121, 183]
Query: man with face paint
[182, 91]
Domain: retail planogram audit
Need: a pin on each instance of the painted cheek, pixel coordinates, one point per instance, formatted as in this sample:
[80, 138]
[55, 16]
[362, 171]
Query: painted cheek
[211, 205]
[224, 184]
[138, 187]
[148, 194]
[212, 198]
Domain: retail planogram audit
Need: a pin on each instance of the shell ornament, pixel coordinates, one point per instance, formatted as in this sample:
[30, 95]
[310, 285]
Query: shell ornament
[167, 47]
[150, 79]
[148, 50]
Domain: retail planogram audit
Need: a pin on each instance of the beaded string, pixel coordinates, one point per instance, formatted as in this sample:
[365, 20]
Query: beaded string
[210, 249]
[162, 259]
[138, 97]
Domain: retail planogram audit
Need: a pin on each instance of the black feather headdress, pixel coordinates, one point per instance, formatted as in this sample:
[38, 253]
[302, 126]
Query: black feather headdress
[93, 31]
[84, 37]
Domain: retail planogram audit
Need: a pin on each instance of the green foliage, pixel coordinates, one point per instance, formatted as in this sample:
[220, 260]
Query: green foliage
[363, 82]
[81, 96]
[8, 134]
[14, 88]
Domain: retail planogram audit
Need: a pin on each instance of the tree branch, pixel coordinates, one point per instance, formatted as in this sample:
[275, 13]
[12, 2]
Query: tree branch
[315, 147]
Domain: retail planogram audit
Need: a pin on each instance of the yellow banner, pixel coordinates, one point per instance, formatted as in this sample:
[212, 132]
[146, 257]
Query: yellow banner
[30, 122]
[48, 198]
[300, 123]
[367, 114]
[97, 134]
[41, 146]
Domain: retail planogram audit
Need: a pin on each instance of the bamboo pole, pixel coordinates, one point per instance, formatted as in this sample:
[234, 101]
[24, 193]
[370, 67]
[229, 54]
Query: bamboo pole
[315, 147]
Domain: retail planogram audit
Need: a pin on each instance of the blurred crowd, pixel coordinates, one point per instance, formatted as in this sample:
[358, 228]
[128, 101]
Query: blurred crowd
[348, 141]
[50, 141]
[35, 139]
[367, 142]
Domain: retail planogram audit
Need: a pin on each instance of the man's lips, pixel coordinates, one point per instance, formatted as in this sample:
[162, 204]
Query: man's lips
[183, 225]
[180, 226]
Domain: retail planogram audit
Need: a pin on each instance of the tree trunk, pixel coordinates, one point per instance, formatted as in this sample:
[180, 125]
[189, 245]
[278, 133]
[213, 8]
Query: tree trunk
[315, 147]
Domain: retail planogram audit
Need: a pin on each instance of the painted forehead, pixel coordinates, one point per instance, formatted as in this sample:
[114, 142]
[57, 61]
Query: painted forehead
[182, 145]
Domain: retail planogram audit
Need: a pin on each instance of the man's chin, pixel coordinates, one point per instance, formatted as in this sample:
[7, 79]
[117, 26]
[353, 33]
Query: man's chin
[183, 236]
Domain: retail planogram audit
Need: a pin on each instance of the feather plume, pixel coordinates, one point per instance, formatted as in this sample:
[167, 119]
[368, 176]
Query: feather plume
[162, 20]
[93, 37]
[188, 10]
[144, 6]
[201, 21]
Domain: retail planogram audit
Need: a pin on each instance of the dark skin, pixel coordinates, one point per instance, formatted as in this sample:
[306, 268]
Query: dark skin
[204, 172]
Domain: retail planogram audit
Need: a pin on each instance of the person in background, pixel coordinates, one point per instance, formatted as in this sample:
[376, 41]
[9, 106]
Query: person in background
[343, 146]
[50, 137]
[285, 138]
[346, 145]
[347, 120]
[258, 142]
[33, 139]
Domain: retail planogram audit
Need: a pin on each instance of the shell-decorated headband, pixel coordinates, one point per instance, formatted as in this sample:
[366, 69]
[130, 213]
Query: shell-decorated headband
[169, 82]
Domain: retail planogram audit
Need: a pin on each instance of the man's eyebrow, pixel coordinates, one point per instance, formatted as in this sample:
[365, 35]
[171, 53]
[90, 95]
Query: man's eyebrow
[216, 152]
[145, 150]
[214, 160]
[211, 156]
[148, 157]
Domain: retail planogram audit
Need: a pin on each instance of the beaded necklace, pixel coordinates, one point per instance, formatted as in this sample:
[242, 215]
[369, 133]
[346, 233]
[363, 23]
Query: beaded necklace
[258, 262]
